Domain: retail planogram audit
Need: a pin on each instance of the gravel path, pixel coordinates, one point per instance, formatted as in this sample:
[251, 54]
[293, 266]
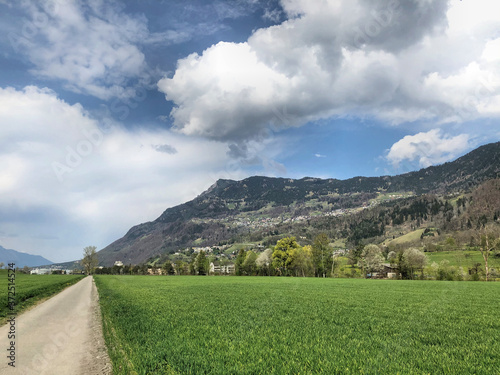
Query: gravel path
[62, 335]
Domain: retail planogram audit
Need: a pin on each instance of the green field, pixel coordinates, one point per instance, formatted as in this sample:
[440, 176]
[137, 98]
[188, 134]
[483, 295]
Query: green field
[409, 237]
[259, 325]
[461, 258]
[31, 289]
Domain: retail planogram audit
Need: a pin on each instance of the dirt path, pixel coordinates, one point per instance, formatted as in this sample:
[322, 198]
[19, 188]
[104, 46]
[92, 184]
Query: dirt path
[60, 336]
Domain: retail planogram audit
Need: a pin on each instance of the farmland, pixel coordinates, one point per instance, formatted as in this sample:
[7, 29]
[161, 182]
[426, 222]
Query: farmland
[228, 325]
[462, 258]
[32, 288]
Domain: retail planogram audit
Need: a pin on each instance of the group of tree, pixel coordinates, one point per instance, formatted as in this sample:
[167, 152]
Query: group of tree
[288, 258]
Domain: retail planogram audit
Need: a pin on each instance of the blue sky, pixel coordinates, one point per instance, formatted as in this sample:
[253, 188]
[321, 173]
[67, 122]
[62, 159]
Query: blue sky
[113, 111]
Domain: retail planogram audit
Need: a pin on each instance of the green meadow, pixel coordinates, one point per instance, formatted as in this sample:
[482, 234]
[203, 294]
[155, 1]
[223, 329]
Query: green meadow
[460, 258]
[273, 325]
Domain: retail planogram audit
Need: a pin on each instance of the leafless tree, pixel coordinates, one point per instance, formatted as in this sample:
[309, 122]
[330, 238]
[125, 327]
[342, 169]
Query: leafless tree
[488, 241]
[90, 259]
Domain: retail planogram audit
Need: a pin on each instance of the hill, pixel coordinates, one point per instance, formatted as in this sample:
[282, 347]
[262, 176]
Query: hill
[258, 208]
[21, 259]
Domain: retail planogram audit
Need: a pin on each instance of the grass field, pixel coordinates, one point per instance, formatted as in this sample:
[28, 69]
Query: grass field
[259, 325]
[31, 289]
[409, 237]
[462, 258]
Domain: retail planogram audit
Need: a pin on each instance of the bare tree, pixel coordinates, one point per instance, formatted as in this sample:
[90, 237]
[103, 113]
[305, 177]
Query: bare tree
[487, 243]
[90, 260]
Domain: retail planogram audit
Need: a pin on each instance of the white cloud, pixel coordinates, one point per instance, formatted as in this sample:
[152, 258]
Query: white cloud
[98, 48]
[108, 181]
[395, 61]
[91, 46]
[426, 149]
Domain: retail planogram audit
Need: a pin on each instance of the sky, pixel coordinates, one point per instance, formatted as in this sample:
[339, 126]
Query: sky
[113, 111]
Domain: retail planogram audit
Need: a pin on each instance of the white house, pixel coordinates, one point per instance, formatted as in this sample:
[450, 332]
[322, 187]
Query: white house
[40, 271]
[218, 268]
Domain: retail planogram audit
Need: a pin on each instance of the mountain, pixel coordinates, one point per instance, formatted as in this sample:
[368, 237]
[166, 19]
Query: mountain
[21, 259]
[231, 210]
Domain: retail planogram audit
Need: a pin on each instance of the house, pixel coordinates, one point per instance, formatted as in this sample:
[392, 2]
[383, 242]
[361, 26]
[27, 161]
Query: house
[155, 271]
[40, 271]
[118, 263]
[389, 272]
[220, 269]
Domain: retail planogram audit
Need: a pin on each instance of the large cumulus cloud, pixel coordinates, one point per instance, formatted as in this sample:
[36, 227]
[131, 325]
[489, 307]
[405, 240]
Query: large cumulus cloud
[396, 61]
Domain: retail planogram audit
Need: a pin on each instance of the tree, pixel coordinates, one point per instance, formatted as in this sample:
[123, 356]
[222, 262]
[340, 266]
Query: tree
[90, 259]
[281, 254]
[238, 264]
[1, 265]
[127, 269]
[249, 264]
[321, 254]
[487, 243]
[392, 257]
[414, 260]
[192, 264]
[181, 267]
[116, 270]
[201, 264]
[301, 261]
[355, 255]
[168, 269]
[263, 261]
[371, 259]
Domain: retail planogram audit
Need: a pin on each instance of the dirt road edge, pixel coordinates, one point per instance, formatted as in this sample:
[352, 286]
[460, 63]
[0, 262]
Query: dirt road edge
[97, 362]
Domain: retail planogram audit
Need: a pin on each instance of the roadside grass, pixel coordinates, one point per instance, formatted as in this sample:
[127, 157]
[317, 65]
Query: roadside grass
[31, 289]
[272, 325]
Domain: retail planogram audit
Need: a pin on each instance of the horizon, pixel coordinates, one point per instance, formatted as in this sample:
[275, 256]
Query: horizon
[114, 111]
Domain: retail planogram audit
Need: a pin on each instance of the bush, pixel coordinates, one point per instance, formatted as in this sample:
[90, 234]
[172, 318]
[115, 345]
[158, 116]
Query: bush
[474, 277]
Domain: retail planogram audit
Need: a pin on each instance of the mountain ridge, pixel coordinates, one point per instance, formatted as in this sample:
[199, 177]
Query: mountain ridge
[208, 216]
[22, 259]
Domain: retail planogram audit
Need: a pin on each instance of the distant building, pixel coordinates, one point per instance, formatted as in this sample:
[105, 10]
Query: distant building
[119, 263]
[389, 271]
[40, 271]
[220, 269]
[155, 271]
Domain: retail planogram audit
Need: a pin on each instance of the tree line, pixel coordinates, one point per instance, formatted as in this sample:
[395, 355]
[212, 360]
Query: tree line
[289, 258]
